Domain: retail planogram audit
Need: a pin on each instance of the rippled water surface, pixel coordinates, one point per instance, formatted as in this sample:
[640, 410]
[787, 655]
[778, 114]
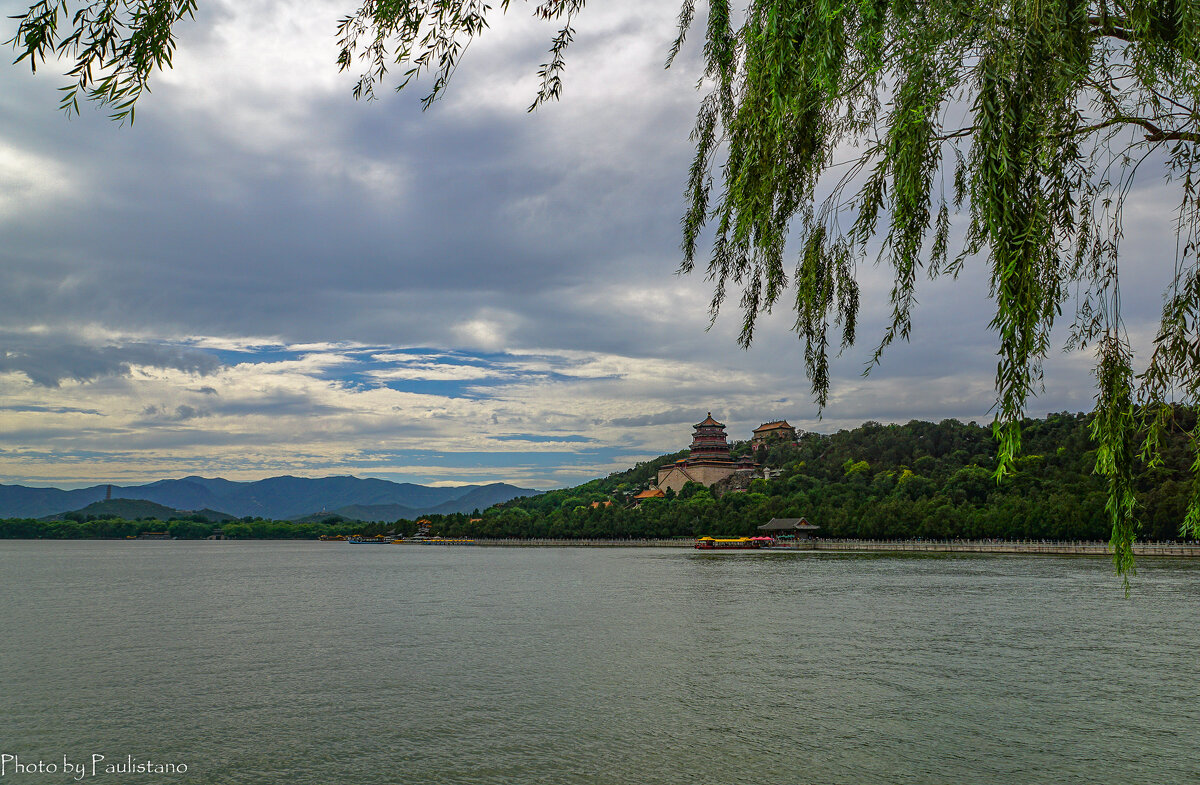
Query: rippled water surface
[323, 663]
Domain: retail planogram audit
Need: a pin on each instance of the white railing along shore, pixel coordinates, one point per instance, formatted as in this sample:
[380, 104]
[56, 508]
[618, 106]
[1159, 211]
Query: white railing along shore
[1063, 547]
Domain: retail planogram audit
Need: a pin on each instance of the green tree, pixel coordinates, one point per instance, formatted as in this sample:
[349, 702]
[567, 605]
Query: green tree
[236, 531]
[1031, 119]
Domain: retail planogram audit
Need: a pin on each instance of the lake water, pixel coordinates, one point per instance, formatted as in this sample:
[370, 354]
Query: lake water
[323, 663]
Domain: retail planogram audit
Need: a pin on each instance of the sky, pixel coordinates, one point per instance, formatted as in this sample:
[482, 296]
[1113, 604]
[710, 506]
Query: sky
[264, 276]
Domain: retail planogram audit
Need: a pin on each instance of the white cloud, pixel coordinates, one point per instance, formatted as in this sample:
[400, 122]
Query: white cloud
[29, 181]
[436, 372]
[488, 330]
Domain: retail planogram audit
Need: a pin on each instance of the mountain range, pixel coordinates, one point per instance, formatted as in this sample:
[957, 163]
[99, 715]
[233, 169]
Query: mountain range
[277, 498]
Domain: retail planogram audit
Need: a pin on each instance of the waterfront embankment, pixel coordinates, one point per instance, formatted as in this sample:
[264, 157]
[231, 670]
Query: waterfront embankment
[1057, 547]
[1052, 547]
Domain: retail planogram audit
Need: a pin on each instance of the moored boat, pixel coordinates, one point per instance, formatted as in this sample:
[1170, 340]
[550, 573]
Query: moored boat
[361, 539]
[728, 543]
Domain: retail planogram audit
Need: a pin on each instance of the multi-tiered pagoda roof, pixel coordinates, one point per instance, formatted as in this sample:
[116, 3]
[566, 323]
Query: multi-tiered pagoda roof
[709, 441]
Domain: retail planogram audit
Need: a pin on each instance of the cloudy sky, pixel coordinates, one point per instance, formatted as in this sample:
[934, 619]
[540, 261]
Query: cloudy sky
[262, 276]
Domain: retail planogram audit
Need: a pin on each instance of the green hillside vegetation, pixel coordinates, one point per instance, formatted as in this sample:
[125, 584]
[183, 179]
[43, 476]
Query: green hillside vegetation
[138, 510]
[877, 481]
[212, 516]
[131, 509]
[190, 526]
[327, 518]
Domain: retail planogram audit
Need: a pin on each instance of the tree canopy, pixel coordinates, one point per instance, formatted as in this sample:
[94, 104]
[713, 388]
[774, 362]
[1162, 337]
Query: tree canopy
[934, 133]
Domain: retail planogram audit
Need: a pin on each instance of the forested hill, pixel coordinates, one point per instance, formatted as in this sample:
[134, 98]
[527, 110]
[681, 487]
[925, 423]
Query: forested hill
[915, 480]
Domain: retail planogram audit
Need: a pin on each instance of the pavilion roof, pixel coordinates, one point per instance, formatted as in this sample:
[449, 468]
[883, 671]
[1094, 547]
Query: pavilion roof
[709, 422]
[651, 493]
[787, 524]
[773, 426]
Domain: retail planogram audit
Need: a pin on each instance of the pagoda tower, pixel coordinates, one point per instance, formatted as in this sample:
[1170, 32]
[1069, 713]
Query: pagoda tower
[709, 442]
[709, 462]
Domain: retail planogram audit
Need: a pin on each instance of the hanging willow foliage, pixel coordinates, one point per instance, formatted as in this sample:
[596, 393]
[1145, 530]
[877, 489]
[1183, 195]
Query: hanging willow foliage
[1039, 113]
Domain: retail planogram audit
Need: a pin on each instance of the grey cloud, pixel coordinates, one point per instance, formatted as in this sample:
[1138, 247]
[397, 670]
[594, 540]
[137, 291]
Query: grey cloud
[73, 435]
[671, 417]
[48, 360]
[177, 414]
[493, 206]
[51, 409]
[189, 413]
[236, 242]
[277, 404]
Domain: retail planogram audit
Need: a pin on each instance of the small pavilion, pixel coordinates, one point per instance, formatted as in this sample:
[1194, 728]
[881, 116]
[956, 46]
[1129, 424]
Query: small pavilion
[799, 528]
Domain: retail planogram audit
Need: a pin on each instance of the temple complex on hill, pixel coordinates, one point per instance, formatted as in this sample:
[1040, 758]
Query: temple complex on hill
[769, 433]
[709, 462]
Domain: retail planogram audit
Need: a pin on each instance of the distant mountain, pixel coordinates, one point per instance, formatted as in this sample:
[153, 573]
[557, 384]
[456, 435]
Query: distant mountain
[17, 501]
[480, 497]
[373, 512]
[279, 498]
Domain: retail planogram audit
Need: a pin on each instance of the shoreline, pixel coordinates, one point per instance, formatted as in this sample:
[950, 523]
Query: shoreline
[1047, 547]
[1016, 547]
